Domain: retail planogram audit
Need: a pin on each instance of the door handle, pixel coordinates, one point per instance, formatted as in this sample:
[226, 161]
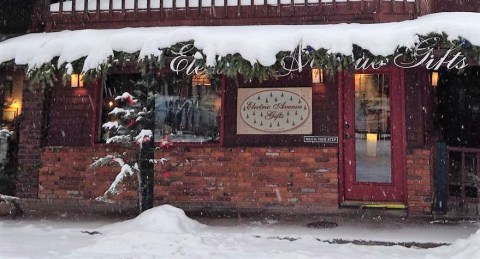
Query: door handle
[347, 136]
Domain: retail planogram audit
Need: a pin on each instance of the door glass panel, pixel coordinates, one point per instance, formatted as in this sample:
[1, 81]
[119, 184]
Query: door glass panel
[372, 128]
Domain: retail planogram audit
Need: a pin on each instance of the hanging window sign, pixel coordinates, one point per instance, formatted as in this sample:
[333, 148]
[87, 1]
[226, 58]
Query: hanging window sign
[274, 111]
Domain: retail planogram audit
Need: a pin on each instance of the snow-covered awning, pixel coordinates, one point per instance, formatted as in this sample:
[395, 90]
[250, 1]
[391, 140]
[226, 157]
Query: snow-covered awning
[256, 44]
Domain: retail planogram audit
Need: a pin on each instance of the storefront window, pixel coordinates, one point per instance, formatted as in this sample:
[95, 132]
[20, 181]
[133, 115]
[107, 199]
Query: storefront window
[115, 85]
[12, 87]
[187, 109]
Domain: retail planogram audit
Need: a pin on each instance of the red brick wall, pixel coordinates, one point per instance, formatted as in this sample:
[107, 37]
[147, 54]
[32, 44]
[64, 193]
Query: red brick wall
[240, 178]
[419, 181]
[65, 174]
[283, 178]
[69, 116]
[30, 142]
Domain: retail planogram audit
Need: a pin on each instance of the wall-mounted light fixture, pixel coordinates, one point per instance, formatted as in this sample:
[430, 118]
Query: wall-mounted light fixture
[317, 76]
[202, 79]
[76, 80]
[434, 78]
[317, 81]
[10, 112]
[12, 98]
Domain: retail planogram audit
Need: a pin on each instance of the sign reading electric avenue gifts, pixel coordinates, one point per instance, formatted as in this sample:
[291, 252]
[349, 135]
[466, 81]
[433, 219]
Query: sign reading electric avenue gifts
[420, 55]
[274, 110]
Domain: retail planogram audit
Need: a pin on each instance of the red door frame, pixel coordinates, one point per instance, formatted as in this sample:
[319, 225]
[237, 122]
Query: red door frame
[396, 191]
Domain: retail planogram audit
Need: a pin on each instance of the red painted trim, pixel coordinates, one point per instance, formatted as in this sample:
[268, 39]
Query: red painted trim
[96, 95]
[348, 116]
[366, 191]
[157, 144]
[194, 145]
[399, 148]
[341, 175]
[426, 108]
[404, 134]
[222, 111]
[348, 11]
[190, 144]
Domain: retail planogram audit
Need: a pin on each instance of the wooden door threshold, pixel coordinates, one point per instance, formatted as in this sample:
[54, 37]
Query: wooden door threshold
[374, 204]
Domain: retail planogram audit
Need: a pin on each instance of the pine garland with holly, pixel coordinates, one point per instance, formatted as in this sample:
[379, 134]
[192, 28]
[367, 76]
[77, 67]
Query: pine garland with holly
[234, 64]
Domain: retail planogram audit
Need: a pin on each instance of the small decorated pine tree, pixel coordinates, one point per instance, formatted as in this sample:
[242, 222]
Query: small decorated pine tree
[132, 126]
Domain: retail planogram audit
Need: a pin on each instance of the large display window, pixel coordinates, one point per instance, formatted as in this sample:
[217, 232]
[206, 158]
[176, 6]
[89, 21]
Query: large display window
[187, 108]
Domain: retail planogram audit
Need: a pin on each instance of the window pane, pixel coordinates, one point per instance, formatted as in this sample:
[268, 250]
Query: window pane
[372, 128]
[187, 109]
[115, 85]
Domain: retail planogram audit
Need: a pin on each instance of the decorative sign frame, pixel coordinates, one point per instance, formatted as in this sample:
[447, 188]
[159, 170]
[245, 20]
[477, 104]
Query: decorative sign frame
[274, 110]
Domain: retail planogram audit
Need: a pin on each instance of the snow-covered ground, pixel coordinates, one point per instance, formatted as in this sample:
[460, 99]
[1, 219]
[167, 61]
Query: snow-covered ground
[165, 232]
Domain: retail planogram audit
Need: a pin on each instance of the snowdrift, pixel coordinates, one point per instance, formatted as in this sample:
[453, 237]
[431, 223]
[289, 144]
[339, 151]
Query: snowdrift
[164, 219]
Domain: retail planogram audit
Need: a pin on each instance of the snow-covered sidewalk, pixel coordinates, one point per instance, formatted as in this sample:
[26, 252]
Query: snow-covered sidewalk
[165, 232]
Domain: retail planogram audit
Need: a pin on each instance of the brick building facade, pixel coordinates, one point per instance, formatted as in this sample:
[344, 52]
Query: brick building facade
[60, 135]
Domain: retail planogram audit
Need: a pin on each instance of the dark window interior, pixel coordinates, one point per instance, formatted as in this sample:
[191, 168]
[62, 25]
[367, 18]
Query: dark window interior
[459, 107]
[459, 122]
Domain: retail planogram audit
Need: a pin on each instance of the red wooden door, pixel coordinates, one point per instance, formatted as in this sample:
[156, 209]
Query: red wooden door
[373, 135]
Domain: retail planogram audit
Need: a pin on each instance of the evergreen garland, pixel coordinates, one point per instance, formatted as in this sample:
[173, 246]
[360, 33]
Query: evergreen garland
[234, 64]
[45, 75]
